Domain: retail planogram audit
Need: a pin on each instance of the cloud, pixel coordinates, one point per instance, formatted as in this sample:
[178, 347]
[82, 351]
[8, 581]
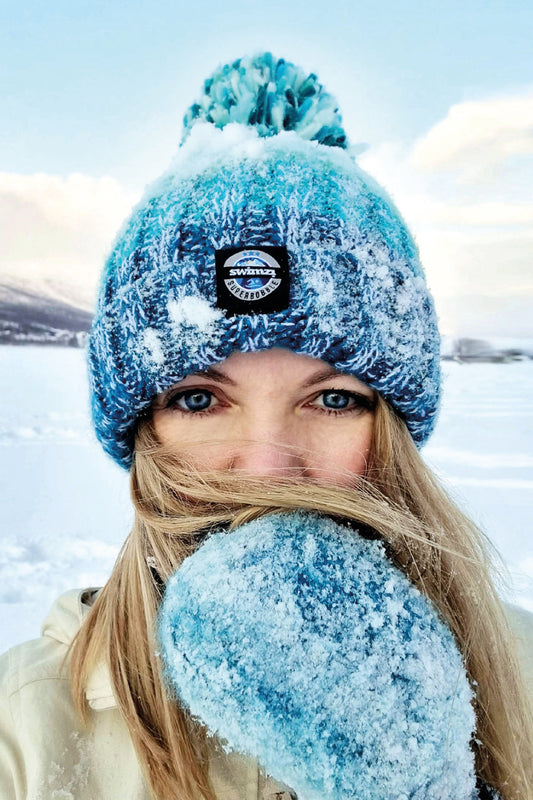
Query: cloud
[464, 188]
[477, 135]
[57, 231]
[487, 214]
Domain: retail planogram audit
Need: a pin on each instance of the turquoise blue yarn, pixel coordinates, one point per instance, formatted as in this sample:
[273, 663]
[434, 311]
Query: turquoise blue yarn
[298, 642]
[358, 296]
[272, 96]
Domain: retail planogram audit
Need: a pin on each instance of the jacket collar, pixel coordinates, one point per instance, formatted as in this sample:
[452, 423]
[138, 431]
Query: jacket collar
[62, 623]
[98, 691]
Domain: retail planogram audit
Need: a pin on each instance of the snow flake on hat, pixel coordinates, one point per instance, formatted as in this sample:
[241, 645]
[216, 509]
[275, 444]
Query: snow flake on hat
[194, 311]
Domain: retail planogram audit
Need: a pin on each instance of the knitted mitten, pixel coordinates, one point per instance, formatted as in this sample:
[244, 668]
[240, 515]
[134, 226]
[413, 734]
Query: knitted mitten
[298, 642]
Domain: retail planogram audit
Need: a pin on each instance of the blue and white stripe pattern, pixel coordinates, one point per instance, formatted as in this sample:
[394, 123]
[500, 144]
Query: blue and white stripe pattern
[358, 298]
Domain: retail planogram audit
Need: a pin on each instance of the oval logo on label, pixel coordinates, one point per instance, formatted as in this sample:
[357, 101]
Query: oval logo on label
[251, 275]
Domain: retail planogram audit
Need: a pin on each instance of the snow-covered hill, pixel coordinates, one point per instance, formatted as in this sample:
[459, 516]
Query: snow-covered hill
[494, 349]
[27, 317]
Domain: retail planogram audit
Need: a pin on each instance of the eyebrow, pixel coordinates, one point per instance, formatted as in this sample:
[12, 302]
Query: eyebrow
[210, 372]
[325, 375]
[219, 377]
[214, 374]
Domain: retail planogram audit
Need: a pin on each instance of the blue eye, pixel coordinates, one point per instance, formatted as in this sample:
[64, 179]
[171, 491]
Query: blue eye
[336, 400]
[339, 400]
[193, 400]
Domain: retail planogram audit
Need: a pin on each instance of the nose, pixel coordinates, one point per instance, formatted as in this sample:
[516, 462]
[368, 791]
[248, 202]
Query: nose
[273, 457]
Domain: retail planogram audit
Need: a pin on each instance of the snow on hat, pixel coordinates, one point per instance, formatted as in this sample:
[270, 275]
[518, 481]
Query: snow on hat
[299, 643]
[263, 233]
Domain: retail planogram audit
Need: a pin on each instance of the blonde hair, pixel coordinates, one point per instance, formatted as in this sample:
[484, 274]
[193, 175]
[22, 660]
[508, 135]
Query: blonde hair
[400, 500]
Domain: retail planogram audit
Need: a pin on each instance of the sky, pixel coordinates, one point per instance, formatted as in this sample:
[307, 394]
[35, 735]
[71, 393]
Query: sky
[440, 93]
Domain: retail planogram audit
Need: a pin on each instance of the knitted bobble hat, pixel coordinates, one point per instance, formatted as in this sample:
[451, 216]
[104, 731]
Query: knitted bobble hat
[263, 233]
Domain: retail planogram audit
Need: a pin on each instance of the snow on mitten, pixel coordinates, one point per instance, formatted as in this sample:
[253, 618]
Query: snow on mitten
[300, 643]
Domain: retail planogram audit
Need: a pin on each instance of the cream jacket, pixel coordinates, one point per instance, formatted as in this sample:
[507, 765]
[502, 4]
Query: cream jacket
[45, 754]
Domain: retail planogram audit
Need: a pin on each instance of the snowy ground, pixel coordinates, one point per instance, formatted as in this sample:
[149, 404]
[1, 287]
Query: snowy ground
[65, 507]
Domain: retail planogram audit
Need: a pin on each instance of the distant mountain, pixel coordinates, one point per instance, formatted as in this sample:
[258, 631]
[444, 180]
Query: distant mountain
[497, 349]
[27, 317]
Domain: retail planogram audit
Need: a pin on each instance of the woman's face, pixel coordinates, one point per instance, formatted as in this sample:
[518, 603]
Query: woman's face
[271, 414]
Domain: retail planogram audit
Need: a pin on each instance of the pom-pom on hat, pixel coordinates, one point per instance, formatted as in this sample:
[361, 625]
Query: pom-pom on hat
[263, 233]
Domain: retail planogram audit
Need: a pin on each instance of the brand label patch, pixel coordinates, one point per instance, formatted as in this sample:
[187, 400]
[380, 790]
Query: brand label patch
[252, 280]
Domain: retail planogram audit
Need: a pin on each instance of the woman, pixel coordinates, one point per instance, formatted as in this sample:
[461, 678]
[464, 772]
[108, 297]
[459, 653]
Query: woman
[264, 340]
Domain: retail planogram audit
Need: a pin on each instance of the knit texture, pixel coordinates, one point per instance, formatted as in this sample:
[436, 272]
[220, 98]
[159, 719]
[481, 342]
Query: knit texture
[272, 96]
[358, 298]
[300, 644]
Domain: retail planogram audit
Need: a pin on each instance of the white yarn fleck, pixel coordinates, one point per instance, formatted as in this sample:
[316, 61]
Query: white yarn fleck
[323, 284]
[152, 343]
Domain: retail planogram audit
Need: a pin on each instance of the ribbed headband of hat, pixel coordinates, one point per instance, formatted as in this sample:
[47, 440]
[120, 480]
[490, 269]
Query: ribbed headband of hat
[263, 233]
